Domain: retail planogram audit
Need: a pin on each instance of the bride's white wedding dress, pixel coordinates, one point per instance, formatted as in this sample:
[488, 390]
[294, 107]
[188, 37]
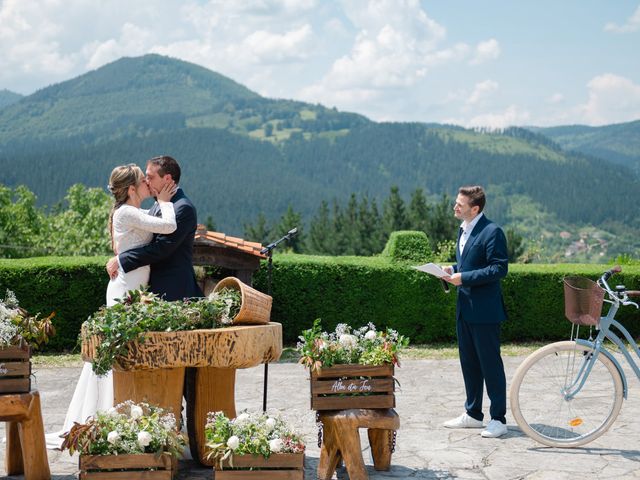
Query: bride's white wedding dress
[132, 227]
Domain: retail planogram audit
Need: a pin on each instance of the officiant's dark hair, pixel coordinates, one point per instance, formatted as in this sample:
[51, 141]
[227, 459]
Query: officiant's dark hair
[166, 164]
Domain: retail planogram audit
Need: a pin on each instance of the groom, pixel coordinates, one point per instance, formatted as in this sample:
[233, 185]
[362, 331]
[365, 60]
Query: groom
[170, 256]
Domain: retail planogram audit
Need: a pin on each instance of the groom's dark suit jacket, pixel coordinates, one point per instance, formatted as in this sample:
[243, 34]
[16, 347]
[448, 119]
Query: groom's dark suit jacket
[484, 261]
[170, 256]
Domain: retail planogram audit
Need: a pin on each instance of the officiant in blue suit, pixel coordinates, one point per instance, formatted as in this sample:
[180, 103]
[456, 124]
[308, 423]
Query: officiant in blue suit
[481, 262]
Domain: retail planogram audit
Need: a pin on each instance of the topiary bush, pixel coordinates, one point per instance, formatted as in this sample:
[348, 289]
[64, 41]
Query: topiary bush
[408, 246]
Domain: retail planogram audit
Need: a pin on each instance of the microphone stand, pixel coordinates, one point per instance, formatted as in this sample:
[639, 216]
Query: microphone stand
[268, 251]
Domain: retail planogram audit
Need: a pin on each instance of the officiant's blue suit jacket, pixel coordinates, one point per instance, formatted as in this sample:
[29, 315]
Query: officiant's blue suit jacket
[484, 261]
[171, 255]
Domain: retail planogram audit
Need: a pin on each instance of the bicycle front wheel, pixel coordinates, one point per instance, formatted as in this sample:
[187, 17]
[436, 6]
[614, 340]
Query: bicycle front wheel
[544, 409]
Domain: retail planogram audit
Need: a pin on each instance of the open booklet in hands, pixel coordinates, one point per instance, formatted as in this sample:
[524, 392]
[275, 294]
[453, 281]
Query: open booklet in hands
[436, 271]
[432, 269]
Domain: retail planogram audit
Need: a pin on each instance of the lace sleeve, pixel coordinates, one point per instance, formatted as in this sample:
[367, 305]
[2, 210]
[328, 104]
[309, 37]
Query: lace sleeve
[136, 218]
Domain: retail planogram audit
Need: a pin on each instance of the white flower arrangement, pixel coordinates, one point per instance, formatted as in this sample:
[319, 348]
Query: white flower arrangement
[127, 428]
[16, 324]
[364, 346]
[249, 434]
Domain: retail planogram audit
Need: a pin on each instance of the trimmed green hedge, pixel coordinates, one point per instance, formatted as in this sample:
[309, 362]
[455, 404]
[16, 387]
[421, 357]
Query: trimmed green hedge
[73, 287]
[358, 290]
[353, 290]
[408, 246]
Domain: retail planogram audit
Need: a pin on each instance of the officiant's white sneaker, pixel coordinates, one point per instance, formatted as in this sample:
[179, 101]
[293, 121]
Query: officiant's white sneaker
[495, 429]
[463, 421]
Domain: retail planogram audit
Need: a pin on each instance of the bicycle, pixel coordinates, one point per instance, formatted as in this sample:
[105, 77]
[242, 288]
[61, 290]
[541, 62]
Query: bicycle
[569, 393]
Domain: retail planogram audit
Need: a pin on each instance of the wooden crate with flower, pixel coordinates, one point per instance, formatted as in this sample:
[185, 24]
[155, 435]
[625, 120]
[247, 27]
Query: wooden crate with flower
[351, 368]
[254, 446]
[19, 334]
[130, 441]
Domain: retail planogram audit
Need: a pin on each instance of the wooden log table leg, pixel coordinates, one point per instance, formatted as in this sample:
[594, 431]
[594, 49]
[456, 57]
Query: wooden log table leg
[208, 389]
[13, 462]
[26, 450]
[161, 387]
[379, 439]
[341, 439]
[329, 454]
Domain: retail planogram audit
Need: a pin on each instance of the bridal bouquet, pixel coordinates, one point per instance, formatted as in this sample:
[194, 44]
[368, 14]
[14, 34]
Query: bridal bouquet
[127, 428]
[249, 434]
[141, 311]
[364, 346]
[17, 324]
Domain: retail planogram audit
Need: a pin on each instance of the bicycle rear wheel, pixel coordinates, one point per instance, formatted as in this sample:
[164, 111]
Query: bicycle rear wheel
[539, 404]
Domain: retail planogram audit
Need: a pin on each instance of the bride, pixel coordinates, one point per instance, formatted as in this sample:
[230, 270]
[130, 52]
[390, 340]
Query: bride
[130, 227]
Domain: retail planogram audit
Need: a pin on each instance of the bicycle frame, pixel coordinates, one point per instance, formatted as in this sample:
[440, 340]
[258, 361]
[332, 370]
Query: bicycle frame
[597, 346]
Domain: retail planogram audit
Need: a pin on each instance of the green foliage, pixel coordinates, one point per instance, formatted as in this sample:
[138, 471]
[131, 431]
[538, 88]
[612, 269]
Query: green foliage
[140, 311]
[408, 246]
[128, 428]
[248, 434]
[364, 346]
[349, 290]
[76, 228]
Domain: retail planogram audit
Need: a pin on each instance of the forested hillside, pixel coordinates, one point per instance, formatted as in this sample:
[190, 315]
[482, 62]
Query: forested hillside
[244, 155]
[7, 98]
[618, 143]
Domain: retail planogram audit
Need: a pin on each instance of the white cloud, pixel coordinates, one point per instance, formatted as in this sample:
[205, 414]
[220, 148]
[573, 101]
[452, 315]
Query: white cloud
[612, 99]
[482, 91]
[631, 25]
[268, 47]
[485, 51]
[555, 98]
[510, 116]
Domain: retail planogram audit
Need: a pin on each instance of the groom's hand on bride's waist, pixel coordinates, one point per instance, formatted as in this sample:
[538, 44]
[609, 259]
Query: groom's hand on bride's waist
[112, 267]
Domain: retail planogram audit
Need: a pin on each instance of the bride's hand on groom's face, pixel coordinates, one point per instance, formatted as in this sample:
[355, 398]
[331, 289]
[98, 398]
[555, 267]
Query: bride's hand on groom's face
[168, 190]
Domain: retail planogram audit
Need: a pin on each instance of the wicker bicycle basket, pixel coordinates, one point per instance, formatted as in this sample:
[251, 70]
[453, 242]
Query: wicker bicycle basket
[582, 300]
[256, 306]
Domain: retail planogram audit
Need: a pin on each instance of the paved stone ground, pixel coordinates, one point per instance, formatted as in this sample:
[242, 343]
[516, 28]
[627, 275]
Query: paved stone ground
[431, 392]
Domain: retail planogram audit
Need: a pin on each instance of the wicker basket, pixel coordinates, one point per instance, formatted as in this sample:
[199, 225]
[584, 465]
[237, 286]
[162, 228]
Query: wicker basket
[582, 300]
[256, 306]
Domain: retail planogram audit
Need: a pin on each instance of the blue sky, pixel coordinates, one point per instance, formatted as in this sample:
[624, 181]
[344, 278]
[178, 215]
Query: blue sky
[472, 63]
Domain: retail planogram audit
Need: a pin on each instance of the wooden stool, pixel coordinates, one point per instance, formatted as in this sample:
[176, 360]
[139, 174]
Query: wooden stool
[26, 449]
[341, 440]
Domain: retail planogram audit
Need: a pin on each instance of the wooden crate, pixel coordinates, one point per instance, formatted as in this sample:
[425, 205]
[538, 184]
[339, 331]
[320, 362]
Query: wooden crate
[279, 466]
[353, 386]
[15, 369]
[146, 466]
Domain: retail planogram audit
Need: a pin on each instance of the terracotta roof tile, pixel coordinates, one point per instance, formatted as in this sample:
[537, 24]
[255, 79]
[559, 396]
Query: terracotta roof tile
[219, 238]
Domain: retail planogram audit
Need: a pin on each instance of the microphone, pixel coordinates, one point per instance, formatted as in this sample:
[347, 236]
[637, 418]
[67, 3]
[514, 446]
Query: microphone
[292, 232]
[445, 286]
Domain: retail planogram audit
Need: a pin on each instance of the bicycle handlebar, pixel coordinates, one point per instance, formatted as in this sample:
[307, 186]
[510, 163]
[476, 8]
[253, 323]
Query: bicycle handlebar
[609, 273]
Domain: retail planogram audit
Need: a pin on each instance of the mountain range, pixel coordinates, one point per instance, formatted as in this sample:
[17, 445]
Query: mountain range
[243, 154]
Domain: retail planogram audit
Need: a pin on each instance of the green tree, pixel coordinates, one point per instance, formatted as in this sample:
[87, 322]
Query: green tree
[288, 221]
[419, 211]
[259, 231]
[515, 245]
[322, 236]
[394, 215]
[21, 223]
[80, 229]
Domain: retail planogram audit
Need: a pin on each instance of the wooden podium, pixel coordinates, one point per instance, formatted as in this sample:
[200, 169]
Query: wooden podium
[154, 371]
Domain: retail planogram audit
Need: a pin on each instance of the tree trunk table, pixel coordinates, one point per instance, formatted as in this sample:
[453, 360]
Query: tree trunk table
[154, 371]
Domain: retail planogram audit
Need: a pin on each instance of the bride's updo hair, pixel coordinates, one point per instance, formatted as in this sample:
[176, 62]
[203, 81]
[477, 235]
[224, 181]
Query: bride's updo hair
[121, 179]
